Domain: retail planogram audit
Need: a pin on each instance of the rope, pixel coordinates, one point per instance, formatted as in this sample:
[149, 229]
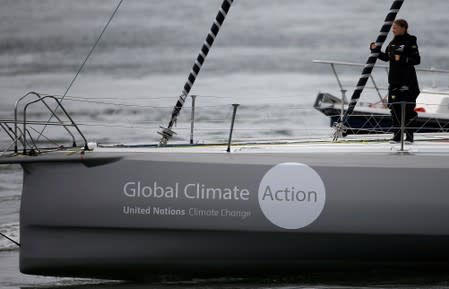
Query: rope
[8, 238]
[84, 62]
[167, 132]
[136, 98]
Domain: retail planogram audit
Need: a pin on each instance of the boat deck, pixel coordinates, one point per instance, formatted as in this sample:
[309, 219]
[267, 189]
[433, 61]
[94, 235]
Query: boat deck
[352, 149]
[355, 144]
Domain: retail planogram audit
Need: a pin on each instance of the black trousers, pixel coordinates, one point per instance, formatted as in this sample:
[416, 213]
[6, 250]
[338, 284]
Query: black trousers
[398, 97]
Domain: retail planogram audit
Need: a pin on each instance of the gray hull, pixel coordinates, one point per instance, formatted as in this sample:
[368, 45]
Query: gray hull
[128, 215]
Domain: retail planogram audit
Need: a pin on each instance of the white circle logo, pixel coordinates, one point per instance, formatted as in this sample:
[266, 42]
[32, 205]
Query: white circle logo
[292, 195]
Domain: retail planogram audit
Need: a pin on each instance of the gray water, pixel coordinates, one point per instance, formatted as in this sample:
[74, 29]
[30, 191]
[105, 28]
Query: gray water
[261, 59]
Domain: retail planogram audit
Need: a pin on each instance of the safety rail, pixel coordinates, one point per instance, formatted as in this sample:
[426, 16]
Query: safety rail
[333, 64]
[379, 127]
[20, 135]
[377, 118]
[210, 123]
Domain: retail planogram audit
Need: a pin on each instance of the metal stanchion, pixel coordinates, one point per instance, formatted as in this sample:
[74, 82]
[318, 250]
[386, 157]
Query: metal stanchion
[343, 100]
[192, 118]
[402, 124]
[235, 105]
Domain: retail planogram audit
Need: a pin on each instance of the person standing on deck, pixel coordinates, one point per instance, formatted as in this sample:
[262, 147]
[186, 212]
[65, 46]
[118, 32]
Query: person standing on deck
[403, 55]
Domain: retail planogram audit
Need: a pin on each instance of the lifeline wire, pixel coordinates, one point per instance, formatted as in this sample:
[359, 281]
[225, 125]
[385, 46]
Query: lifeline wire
[84, 62]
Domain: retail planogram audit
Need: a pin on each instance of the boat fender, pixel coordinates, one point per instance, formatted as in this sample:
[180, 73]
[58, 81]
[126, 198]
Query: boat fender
[420, 109]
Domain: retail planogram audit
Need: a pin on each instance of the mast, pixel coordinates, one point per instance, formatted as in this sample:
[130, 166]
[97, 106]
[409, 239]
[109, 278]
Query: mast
[366, 72]
[167, 132]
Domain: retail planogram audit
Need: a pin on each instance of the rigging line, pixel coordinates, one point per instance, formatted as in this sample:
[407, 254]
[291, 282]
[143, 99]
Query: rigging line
[109, 124]
[48, 139]
[133, 98]
[116, 103]
[4, 151]
[116, 126]
[8, 238]
[83, 100]
[165, 98]
[134, 105]
[84, 62]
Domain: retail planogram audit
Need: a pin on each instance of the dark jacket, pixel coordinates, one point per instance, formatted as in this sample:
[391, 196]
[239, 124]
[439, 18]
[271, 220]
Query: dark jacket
[403, 72]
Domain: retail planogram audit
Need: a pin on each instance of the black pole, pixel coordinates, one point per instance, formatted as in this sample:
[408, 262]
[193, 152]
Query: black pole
[219, 19]
[391, 16]
[234, 112]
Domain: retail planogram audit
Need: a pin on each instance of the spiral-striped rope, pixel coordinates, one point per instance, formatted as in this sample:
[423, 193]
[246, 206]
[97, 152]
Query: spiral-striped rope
[218, 22]
[391, 16]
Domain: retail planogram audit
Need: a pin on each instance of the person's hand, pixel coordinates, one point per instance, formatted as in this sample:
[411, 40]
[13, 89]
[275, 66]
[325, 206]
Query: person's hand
[372, 46]
[397, 57]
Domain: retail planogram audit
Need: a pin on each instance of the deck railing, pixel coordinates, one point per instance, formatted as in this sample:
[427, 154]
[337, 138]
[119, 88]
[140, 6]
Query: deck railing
[24, 136]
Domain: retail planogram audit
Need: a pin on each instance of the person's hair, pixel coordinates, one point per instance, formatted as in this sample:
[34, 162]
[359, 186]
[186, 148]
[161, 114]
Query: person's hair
[401, 23]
